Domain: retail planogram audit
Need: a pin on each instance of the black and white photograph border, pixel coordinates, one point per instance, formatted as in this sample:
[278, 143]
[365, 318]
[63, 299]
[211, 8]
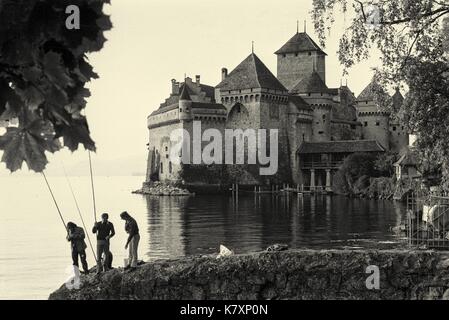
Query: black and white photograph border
[200, 150]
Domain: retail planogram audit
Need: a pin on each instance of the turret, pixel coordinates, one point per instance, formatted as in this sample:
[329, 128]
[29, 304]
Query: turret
[375, 121]
[315, 92]
[185, 105]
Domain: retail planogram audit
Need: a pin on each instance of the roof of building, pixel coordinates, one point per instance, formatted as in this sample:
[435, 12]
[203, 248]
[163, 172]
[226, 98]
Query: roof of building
[164, 109]
[349, 146]
[398, 99]
[409, 158]
[192, 89]
[185, 93]
[300, 42]
[299, 102]
[310, 83]
[370, 92]
[195, 105]
[251, 73]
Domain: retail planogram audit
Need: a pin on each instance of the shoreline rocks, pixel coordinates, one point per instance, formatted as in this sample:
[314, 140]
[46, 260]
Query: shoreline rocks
[287, 274]
[162, 189]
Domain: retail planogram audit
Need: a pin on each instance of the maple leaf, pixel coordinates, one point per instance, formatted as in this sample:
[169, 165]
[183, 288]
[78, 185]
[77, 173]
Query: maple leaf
[28, 145]
[43, 72]
[55, 71]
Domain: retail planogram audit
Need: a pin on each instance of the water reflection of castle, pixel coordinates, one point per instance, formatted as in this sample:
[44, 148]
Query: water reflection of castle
[318, 126]
[180, 226]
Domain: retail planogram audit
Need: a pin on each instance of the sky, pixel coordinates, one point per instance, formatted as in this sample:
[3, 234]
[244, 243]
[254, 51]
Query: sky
[154, 41]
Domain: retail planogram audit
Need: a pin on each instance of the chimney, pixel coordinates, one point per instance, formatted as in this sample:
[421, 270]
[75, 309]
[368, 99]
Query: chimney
[224, 73]
[174, 86]
[197, 79]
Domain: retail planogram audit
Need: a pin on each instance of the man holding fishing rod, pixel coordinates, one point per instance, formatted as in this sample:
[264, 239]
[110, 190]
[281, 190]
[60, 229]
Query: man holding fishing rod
[76, 237]
[105, 231]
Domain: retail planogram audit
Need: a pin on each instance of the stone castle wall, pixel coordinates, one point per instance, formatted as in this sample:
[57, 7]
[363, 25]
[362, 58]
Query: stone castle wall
[291, 67]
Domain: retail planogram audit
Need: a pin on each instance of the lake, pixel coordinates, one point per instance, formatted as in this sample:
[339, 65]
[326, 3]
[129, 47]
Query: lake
[35, 257]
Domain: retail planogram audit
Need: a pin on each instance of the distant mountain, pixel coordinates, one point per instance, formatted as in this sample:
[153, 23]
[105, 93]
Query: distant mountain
[134, 165]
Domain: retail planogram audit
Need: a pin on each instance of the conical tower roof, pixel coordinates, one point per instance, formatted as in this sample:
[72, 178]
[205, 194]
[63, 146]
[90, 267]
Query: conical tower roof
[185, 93]
[398, 99]
[311, 83]
[300, 42]
[370, 92]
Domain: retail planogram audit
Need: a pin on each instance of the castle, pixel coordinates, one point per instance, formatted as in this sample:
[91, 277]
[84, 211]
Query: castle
[318, 126]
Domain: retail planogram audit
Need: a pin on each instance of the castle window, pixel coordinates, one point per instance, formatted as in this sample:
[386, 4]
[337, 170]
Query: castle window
[162, 167]
[166, 148]
[365, 124]
[352, 126]
[377, 123]
[180, 110]
[320, 132]
[309, 94]
[170, 167]
[394, 128]
[284, 55]
[166, 156]
[310, 53]
[324, 117]
[296, 54]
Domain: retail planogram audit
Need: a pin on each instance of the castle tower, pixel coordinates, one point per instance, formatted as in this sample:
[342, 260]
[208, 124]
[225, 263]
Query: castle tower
[399, 137]
[300, 57]
[375, 121]
[255, 99]
[185, 105]
[315, 92]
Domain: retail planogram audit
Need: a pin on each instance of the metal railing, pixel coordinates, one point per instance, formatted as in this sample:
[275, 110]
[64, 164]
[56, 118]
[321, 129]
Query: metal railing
[321, 164]
[428, 221]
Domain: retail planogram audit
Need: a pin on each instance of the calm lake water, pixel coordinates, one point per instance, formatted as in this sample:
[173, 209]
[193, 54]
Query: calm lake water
[35, 258]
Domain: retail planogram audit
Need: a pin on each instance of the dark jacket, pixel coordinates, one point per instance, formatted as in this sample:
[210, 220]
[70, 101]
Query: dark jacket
[131, 228]
[103, 230]
[76, 237]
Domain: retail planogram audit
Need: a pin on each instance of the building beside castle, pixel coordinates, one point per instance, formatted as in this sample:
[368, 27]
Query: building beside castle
[317, 126]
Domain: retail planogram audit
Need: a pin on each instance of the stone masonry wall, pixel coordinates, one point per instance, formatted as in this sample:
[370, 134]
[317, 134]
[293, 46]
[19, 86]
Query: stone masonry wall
[293, 274]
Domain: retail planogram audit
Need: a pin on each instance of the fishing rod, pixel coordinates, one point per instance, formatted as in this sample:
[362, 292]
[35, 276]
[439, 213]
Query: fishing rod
[93, 189]
[79, 211]
[54, 200]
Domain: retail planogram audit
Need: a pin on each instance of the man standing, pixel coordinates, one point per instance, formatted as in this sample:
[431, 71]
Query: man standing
[132, 229]
[76, 236]
[105, 231]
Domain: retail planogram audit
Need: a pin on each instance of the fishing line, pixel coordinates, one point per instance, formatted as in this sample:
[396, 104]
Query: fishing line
[79, 211]
[93, 188]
